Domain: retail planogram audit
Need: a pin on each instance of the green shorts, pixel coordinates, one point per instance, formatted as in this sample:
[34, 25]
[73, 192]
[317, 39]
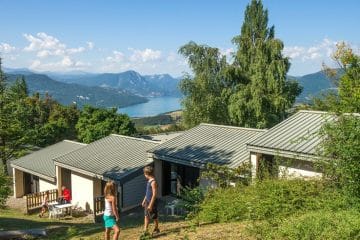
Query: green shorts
[109, 221]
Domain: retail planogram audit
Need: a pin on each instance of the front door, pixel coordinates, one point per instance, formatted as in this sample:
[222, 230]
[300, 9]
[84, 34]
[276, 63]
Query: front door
[35, 184]
[27, 183]
[177, 176]
[66, 178]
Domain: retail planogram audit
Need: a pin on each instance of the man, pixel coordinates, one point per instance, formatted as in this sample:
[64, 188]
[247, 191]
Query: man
[150, 202]
[66, 194]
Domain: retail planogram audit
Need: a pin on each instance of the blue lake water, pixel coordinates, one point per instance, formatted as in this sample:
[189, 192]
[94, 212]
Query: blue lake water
[154, 106]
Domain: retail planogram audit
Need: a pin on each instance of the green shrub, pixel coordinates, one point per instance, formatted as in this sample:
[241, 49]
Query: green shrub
[191, 199]
[269, 200]
[344, 224]
[341, 149]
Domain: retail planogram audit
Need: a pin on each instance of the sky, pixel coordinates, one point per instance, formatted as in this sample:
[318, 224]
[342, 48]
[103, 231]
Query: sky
[144, 35]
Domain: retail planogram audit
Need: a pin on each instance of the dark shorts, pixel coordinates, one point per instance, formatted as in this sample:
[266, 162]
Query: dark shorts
[153, 214]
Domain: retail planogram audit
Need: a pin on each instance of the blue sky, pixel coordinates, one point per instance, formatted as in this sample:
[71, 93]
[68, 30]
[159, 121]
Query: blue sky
[114, 36]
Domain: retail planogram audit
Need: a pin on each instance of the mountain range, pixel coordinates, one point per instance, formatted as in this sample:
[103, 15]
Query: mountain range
[128, 88]
[69, 93]
[147, 86]
[313, 85]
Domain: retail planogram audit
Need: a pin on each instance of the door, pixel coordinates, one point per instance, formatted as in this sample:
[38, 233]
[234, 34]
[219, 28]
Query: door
[27, 183]
[66, 178]
[166, 178]
[35, 184]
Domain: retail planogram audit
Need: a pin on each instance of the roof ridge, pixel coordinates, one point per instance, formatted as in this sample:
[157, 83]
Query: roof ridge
[314, 111]
[71, 141]
[133, 138]
[165, 133]
[235, 127]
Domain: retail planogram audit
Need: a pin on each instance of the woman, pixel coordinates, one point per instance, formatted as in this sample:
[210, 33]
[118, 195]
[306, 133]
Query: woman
[111, 215]
[44, 204]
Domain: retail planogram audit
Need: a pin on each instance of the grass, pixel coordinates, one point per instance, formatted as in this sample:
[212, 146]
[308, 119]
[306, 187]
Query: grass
[131, 227]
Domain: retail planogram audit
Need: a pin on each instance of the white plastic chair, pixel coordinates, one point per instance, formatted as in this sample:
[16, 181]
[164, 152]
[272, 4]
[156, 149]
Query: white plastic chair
[173, 207]
[54, 212]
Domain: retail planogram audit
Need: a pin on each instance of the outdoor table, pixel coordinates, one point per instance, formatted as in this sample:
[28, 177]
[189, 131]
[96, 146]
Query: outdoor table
[65, 206]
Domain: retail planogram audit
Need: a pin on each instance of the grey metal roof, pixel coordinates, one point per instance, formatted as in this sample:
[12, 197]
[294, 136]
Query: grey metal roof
[162, 137]
[295, 136]
[208, 143]
[113, 157]
[41, 163]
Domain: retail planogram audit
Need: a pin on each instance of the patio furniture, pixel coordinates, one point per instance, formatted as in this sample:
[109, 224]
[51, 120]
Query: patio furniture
[54, 212]
[173, 207]
[67, 207]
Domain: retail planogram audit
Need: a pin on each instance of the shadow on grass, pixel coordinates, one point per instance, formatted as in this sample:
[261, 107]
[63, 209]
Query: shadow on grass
[177, 230]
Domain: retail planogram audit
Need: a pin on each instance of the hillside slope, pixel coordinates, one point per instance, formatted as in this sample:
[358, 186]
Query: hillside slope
[75, 93]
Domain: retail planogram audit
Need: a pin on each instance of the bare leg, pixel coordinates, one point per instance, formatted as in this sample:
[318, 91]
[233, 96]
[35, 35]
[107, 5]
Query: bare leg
[107, 233]
[116, 232]
[156, 223]
[146, 223]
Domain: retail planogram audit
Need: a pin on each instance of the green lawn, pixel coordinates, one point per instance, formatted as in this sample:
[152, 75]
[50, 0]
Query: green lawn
[131, 227]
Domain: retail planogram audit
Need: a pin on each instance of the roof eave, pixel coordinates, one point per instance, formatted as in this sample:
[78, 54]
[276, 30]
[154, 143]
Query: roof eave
[283, 153]
[178, 160]
[40, 175]
[75, 169]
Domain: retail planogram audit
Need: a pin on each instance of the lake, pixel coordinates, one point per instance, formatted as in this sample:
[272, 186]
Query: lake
[154, 106]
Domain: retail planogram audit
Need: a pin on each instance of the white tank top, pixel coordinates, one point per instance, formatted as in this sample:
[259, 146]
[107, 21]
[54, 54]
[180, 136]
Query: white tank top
[108, 208]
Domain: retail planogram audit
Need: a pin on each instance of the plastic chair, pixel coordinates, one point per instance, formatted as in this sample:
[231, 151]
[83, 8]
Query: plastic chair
[54, 212]
[173, 207]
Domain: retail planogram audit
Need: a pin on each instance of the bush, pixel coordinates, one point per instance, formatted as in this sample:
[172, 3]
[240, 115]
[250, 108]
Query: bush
[269, 200]
[322, 224]
[341, 149]
[191, 199]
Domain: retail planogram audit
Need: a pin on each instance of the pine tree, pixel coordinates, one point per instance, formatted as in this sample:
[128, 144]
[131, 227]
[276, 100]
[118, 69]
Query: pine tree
[263, 99]
[13, 137]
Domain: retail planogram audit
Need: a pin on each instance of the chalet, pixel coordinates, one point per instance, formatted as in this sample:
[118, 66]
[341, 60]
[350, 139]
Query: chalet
[294, 143]
[179, 161]
[35, 172]
[118, 158]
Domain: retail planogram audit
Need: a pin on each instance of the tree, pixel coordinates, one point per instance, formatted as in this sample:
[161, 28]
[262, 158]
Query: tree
[349, 85]
[4, 188]
[252, 91]
[266, 95]
[96, 123]
[347, 78]
[60, 125]
[13, 137]
[341, 151]
[19, 90]
[205, 96]
[341, 138]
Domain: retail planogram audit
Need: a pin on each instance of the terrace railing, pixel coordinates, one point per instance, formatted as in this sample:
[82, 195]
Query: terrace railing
[34, 200]
[99, 208]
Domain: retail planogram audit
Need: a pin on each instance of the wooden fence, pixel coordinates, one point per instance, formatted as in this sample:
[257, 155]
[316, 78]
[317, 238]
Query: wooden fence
[99, 208]
[34, 200]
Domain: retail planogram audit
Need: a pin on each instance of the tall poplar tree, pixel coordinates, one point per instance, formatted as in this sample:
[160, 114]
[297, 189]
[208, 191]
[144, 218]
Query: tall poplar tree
[263, 99]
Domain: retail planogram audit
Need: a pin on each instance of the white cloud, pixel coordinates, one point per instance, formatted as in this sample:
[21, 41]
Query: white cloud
[116, 57]
[321, 51]
[64, 64]
[46, 45]
[90, 45]
[6, 48]
[42, 41]
[75, 50]
[145, 55]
